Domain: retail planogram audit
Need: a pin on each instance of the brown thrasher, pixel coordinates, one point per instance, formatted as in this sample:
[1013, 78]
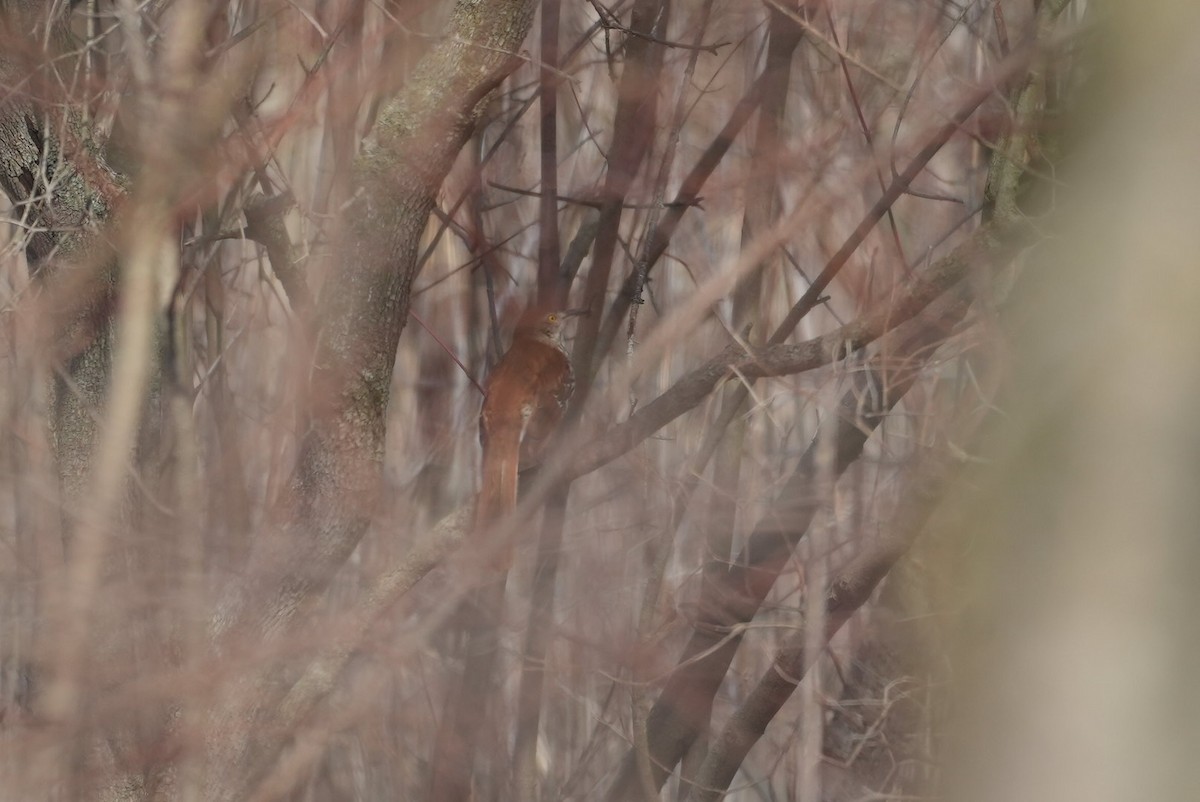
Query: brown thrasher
[525, 397]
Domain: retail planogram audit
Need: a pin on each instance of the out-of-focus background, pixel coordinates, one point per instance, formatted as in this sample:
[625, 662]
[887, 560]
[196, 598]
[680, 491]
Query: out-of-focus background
[877, 483]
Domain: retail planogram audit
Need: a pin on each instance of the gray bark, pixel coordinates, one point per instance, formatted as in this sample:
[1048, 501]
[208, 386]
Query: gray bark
[359, 317]
[60, 185]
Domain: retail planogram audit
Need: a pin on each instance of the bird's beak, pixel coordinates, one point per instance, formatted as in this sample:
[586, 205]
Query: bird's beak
[575, 312]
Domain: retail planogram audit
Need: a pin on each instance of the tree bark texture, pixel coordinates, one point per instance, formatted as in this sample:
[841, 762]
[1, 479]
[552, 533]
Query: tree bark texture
[364, 303]
[360, 314]
[52, 173]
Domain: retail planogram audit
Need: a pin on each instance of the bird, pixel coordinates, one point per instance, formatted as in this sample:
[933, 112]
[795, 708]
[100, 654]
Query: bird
[525, 398]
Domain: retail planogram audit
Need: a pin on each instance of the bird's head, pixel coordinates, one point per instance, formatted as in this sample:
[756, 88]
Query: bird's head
[538, 321]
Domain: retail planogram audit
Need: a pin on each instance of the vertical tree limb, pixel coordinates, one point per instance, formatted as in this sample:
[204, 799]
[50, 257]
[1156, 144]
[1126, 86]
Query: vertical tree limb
[360, 315]
[761, 207]
[634, 127]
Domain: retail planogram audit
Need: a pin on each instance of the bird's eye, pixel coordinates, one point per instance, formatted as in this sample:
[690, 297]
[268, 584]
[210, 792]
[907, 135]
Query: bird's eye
[551, 318]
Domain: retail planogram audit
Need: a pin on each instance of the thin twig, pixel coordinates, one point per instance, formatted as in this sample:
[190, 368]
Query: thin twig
[610, 22]
[449, 351]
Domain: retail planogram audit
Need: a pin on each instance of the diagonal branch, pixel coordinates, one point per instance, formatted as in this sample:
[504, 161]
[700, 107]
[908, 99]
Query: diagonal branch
[448, 535]
[848, 591]
[732, 599]
[917, 292]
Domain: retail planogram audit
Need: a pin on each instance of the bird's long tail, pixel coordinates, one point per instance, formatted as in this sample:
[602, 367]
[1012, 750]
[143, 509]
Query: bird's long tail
[464, 716]
[498, 493]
